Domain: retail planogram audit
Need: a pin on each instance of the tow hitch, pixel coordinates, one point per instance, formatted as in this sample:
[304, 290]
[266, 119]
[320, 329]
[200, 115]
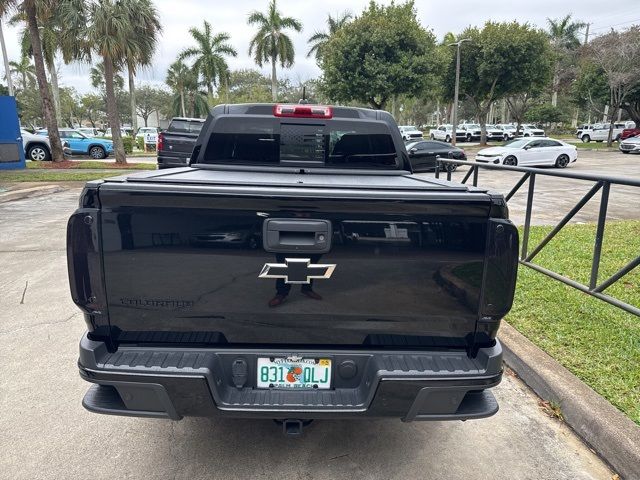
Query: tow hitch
[292, 427]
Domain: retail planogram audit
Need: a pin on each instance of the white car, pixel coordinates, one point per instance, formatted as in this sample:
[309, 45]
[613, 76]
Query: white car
[445, 132]
[124, 132]
[494, 133]
[409, 132]
[600, 132]
[531, 131]
[530, 152]
[89, 131]
[630, 145]
[508, 131]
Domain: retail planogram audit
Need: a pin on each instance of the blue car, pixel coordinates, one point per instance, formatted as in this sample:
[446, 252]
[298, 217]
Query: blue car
[80, 144]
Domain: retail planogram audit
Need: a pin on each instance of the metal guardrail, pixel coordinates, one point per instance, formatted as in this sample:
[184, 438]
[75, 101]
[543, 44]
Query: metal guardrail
[602, 183]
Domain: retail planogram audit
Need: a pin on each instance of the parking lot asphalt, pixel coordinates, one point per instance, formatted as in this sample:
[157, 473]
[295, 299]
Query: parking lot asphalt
[46, 434]
[554, 196]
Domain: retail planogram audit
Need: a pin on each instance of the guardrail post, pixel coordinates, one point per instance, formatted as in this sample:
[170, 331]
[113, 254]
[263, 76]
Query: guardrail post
[527, 216]
[597, 247]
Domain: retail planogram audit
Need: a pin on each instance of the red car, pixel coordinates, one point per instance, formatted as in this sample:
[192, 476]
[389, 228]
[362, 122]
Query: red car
[629, 132]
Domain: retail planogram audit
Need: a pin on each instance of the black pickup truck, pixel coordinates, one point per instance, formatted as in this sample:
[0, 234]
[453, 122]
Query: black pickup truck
[295, 270]
[176, 143]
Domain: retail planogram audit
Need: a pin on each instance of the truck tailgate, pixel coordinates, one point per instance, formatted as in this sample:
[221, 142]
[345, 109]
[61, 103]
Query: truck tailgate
[182, 265]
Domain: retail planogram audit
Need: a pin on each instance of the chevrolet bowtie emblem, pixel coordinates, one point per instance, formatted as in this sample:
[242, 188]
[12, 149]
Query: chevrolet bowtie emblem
[297, 270]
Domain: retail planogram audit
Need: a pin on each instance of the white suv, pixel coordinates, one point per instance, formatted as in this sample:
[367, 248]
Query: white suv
[409, 132]
[600, 132]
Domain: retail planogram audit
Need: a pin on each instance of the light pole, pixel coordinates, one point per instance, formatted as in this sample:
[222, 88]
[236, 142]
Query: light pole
[456, 90]
[7, 70]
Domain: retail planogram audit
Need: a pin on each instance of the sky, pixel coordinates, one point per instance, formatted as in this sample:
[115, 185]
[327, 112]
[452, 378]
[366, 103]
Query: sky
[177, 16]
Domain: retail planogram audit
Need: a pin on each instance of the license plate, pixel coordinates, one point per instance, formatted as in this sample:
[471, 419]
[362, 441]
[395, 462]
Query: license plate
[294, 372]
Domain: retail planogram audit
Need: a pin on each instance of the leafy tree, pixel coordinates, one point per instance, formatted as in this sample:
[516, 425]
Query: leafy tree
[500, 60]
[632, 105]
[270, 43]
[382, 53]
[617, 54]
[30, 108]
[546, 113]
[140, 47]
[590, 90]
[318, 40]
[563, 34]
[70, 106]
[209, 54]
[150, 99]
[97, 77]
[249, 86]
[92, 108]
[4, 90]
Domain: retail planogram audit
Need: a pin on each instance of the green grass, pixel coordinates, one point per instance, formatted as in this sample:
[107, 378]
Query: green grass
[596, 341]
[596, 146]
[46, 175]
[94, 165]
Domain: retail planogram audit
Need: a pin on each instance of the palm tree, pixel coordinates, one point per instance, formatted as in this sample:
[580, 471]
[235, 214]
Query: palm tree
[50, 39]
[319, 40]
[179, 77]
[36, 13]
[270, 43]
[139, 49]
[209, 55]
[563, 34]
[25, 71]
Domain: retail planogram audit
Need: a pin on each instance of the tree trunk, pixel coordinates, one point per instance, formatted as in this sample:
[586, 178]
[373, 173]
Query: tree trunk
[7, 70]
[184, 111]
[112, 111]
[55, 90]
[274, 80]
[57, 154]
[132, 98]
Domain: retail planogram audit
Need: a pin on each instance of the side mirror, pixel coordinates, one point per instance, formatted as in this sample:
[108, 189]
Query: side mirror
[413, 150]
[526, 147]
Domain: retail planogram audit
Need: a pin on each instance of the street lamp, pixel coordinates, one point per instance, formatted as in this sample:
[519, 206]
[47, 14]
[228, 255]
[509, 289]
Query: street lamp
[455, 94]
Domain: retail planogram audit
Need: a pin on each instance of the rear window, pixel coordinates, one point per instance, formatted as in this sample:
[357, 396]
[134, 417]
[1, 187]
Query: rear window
[246, 140]
[185, 126]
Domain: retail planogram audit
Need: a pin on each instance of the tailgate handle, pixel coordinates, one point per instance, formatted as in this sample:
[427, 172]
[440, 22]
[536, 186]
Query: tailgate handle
[297, 235]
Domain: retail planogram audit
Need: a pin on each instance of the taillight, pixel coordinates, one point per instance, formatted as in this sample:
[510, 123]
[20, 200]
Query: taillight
[160, 142]
[302, 111]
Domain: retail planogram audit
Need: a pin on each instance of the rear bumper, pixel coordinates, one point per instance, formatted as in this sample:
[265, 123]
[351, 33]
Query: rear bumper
[172, 383]
[166, 161]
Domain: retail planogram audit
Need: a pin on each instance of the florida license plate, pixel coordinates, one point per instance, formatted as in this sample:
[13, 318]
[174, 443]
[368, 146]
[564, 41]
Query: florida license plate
[294, 372]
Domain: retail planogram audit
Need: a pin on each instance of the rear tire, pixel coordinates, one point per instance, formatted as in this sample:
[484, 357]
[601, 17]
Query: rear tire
[97, 152]
[510, 161]
[447, 139]
[38, 153]
[585, 139]
[624, 151]
[506, 138]
[562, 161]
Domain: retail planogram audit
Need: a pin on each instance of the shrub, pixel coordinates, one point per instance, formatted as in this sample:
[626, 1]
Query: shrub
[140, 143]
[127, 142]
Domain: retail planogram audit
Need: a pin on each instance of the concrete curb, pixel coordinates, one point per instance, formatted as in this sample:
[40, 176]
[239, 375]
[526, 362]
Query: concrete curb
[602, 426]
[39, 191]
